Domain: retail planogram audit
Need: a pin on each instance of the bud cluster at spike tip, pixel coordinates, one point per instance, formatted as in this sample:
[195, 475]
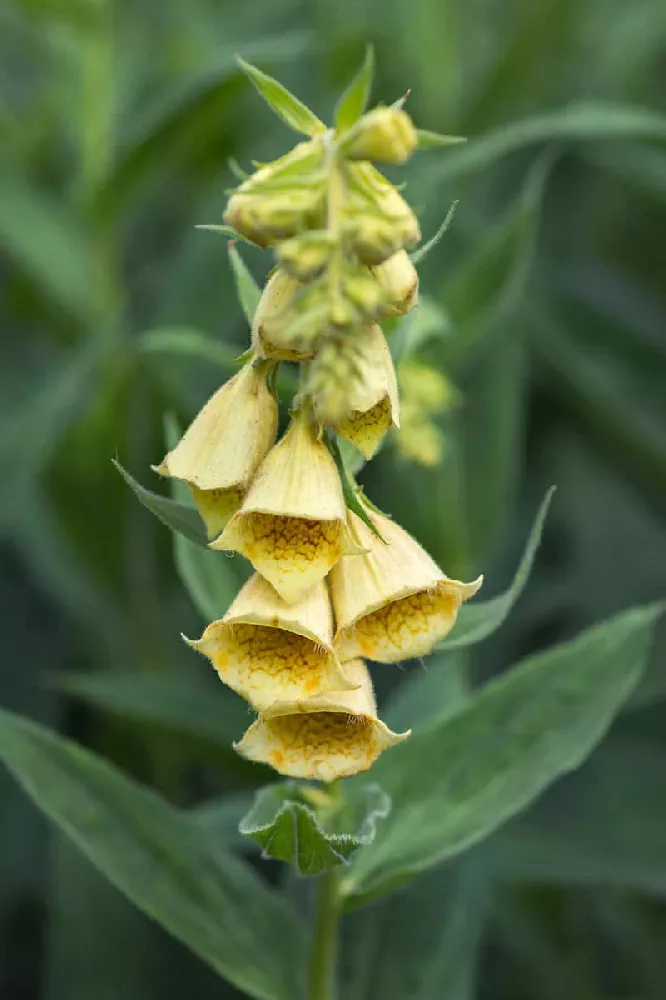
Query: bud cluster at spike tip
[331, 586]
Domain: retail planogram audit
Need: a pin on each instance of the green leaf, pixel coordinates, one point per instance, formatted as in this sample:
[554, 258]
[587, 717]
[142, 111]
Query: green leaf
[355, 99]
[163, 862]
[212, 579]
[423, 943]
[227, 231]
[52, 247]
[286, 826]
[424, 250]
[33, 431]
[292, 111]
[248, 290]
[580, 121]
[455, 781]
[179, 517]
[208, 716]
[433, 140]
[187, 342]
[603, 825]
[479, 620]
[439, 688]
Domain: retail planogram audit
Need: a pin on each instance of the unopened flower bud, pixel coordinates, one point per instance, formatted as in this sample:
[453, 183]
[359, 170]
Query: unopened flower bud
[292, 525]
[270, 216]
[384, 134]
[268, 651]
[362, 289]
[305, 256]
[332, 373]
[372, 401]
[224, 445]
[392, 602]
[290, 319]
[325, 737]
[380, 222]
[398, 278]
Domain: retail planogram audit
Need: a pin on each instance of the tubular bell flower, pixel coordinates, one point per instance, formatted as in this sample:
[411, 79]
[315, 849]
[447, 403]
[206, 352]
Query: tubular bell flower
[373, 405]
[393, 602]
[225, 444]
[270, 327]
[268, 651]
[323, 738]
[292, 524]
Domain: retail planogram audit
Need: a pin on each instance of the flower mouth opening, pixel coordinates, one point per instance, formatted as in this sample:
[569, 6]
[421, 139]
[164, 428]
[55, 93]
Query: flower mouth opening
[365, 429]
[267, 664]
[321, 745]
[402, 629]
[216, 507]
[292, 553]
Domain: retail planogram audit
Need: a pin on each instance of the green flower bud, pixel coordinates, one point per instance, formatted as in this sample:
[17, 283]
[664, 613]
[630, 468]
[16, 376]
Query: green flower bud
[385, 134]
[290, 319]
[267, 217]
[305, 256]
[365, 293]
[379, 221]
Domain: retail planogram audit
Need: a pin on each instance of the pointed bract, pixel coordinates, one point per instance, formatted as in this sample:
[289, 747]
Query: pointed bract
[292, 525]
[393, 602]
[373, 403]
[268, 651]
[323, 738]
[225, 444]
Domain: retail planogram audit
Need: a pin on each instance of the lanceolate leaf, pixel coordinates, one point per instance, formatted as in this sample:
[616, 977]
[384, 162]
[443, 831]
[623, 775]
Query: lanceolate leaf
[283, 821]
[354, 101]
[248, 290]
[292, 111]
[455, 781]
[187, 342]
[167, 865]
[424, 250]
[478, 620]
[178, 517]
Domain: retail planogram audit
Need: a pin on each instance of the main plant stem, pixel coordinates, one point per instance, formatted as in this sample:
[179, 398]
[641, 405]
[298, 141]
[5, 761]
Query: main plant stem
[325, 939]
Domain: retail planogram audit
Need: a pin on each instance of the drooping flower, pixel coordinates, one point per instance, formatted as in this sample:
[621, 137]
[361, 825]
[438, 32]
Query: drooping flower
[372, 401]
[292, 525]
[322, 738]
[392, 602]
[225, 444]
[268, 651]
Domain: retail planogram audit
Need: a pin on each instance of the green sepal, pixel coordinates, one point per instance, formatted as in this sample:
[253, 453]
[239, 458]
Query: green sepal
[423, 251]
[310, 828]
[293, 112]
[354, 100]
[433, 140]
[248, 290]
[180, 518]
[349, 489]
[479, 620]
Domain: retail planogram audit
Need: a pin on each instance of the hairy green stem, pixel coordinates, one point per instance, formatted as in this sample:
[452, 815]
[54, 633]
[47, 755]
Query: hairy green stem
[325, 939]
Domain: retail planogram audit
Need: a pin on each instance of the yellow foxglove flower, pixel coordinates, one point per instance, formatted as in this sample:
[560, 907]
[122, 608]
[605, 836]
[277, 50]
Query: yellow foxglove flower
[225, 444]
[398, 279]
[384, 134]
[393, 602]
[292, 525]
[323, 738]
[269, 651]
[372, 400]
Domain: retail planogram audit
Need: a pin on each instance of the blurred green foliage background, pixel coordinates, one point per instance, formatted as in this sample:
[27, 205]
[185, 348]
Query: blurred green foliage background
[546, 303]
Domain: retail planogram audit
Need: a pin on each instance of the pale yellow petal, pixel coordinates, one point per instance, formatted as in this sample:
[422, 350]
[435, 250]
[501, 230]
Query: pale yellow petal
[373, 401]
[393, 602]
[269, 651]
[324, 738]
[216, 507]
[229, 438]
[292, 525]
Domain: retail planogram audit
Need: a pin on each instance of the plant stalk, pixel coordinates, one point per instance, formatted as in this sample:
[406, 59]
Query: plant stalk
[325, 941]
